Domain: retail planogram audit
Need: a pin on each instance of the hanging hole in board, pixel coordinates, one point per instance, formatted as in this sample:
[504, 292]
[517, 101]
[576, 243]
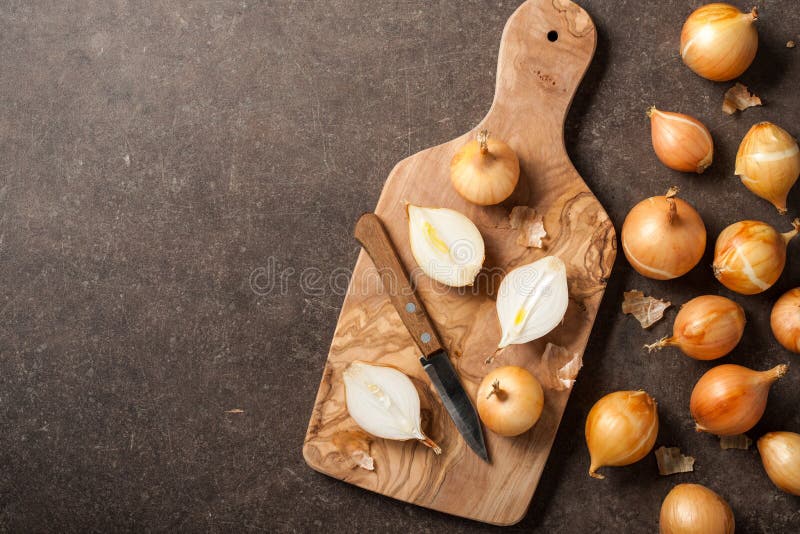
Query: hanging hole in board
[552, 36]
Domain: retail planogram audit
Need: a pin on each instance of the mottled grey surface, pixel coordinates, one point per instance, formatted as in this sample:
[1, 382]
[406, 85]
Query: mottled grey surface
[153, 155]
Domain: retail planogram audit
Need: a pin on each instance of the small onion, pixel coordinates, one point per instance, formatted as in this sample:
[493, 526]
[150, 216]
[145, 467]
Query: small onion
[768, 162]
[621, 429]
[780, 454]
[730, 399]
[663, 237]
[485, 171]
[680, 141]
[510, 400]
[719, 42]
[750, 256]
[695, 509]
[785, 320]
[706, 328]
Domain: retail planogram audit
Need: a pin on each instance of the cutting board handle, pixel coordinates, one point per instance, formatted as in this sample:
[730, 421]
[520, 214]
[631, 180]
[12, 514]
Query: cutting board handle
[546, 48]
[372, 235]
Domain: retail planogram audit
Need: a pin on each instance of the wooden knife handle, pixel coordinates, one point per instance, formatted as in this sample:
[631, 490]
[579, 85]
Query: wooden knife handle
[372, 235]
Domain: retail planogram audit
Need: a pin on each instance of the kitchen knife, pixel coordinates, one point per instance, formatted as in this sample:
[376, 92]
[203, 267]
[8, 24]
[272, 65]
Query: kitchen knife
[372, 235]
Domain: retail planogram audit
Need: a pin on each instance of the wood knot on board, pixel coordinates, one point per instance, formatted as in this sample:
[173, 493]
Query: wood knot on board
[578, 21]
[544, 77]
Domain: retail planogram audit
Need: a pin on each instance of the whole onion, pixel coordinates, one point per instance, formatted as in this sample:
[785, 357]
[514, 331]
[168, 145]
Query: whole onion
[730, 399]
[621, 429]
[785, 320]
[719, 42]
[695, 509]
[663, 237]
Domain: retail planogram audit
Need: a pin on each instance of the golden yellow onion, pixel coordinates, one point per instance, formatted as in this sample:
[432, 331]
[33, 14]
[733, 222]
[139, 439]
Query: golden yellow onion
[768, 162]
[750, 256]
[730, 399]
[706, 328]
[663, 237]
[621, 429]
[785, 320]
[719, 42]
[510, 400]
[695, 509]
[780, 454]
[680, 141]
[485, 171]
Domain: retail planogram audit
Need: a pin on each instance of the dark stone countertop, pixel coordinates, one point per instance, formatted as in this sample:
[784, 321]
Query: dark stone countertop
[154, 155]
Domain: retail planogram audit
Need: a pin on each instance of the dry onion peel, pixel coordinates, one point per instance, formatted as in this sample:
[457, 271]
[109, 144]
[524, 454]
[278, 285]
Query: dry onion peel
[384, 402]
[354, 446]
[695, 509]
[663, 237]
[510, 400]
[561, 367]
[780, 455]
[706, 328]
[739, 98]
[785, 320]
[446, 245]
[680, 141]
[485, 171]
[738, 441]
[532, 300]
[768, 162]
[670, 461]
[647, 310]
[730, 399]
[719, 42]
[621, 429]
[749, 256]
[530, 225]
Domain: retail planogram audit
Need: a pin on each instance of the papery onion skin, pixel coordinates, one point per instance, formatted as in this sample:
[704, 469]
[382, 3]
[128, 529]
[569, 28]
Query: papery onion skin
[719, 42]
[730, 399]
[749, 256]
[706, 328]
[768, 162]
[621, 429]
[510, 400]
[663, 237]
[680, 141]
[695, 509]
[785, 320]
[780, 454]
[485, 171]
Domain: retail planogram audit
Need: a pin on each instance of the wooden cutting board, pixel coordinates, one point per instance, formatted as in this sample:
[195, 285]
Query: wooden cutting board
[546, 47]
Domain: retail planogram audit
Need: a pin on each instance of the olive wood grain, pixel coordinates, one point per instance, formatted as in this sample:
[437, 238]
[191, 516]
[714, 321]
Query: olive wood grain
[537, 77]
[394, 279]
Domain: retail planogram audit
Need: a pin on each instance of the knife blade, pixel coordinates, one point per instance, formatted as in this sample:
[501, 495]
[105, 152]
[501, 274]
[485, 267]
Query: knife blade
[445, 379]
[372, 235]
